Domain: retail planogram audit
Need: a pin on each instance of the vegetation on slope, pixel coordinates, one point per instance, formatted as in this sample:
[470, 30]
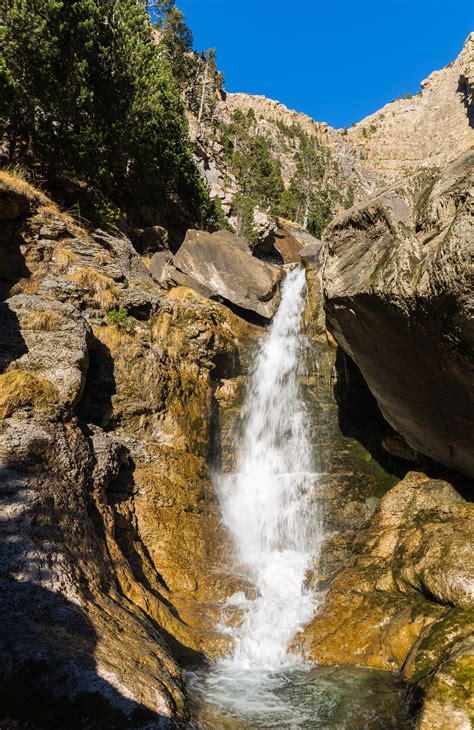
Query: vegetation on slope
[93, 101]
[91, 104]
[253, 158]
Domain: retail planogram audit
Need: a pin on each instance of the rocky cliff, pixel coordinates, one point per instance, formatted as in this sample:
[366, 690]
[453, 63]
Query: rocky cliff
[273, 118]
[113, 556]
[426, 130]
[398, 300]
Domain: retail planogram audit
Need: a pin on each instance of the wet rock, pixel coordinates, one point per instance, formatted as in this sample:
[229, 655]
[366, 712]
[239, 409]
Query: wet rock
[404, 597]
[441, 664]
[396, 286]
[220, 264]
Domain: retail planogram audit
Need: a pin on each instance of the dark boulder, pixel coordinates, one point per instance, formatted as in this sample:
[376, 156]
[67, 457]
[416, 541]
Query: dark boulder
[397, 298]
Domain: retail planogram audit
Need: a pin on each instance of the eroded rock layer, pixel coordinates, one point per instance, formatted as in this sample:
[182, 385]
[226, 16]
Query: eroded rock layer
[397, 288]
[113, 556]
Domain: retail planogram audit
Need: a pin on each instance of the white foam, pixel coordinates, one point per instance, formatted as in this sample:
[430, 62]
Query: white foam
[266, 503]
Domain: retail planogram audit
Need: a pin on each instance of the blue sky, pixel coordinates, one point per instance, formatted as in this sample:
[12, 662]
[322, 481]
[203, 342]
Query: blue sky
[336, 60]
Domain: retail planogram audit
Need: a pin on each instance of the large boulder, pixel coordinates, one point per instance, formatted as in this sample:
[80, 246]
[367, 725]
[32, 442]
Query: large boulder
[396, 285]
[401, 595]
[290, 240]
[222, 263]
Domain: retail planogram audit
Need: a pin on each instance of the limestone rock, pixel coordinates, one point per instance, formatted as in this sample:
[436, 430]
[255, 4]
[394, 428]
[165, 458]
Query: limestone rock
[426, 130]
[166, 274]
[442, 663]
[68, 633]
[290, 240]
[404, 599]
[48, 338]
[264, 226]
[228, 271]
[396, 284]
[161, 266]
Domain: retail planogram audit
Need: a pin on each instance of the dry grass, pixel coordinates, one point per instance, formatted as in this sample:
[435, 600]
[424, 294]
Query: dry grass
[20, 388]
[15, 180]
[102, 287]
[25, 286]
[49, 212]
[117, 341]
[48, 321]
[64, 257]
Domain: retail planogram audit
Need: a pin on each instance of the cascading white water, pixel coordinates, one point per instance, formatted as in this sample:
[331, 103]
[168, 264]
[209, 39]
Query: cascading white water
[265, 503]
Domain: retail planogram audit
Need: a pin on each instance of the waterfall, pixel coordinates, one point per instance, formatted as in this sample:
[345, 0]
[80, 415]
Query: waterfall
[266, 503]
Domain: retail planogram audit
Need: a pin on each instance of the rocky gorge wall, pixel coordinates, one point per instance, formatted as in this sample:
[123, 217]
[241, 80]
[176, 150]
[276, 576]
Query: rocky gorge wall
[119, 374]
[113, 556]
[428, 129]
[397, 297]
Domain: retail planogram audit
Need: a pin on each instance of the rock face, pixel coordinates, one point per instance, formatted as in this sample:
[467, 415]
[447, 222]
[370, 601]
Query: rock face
[404, 600]
[427, 130]
[113, 558]
[423, 131]
[222, 263]
[397, 290]
[342, 172]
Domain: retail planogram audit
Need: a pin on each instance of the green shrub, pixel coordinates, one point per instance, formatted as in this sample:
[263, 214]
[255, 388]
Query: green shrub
[117, 316]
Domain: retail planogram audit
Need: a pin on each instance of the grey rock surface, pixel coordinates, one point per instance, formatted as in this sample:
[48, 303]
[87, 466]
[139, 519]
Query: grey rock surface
[397, 288]
[219, 263]
[50, 339]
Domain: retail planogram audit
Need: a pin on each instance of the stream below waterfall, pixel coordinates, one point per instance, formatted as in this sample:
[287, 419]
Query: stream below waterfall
[287, 443]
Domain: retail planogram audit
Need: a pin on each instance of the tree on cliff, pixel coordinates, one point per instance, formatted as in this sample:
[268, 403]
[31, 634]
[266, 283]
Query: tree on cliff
[93, 104]
[307, 200]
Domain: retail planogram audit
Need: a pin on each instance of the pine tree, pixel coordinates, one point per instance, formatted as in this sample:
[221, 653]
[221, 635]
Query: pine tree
[92, 98]
[177, 44]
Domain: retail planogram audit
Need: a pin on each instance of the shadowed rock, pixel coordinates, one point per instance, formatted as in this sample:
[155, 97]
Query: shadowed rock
[396, 284]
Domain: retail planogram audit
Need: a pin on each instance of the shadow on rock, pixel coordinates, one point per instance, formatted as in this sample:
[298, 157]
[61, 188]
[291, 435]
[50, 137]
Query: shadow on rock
[360, 418]
[466, 89]
[95, 405]
[12, 343]
[49, 674]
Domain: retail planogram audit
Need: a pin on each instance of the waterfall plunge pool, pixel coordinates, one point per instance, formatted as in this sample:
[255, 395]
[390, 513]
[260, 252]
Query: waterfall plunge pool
[299, 696]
